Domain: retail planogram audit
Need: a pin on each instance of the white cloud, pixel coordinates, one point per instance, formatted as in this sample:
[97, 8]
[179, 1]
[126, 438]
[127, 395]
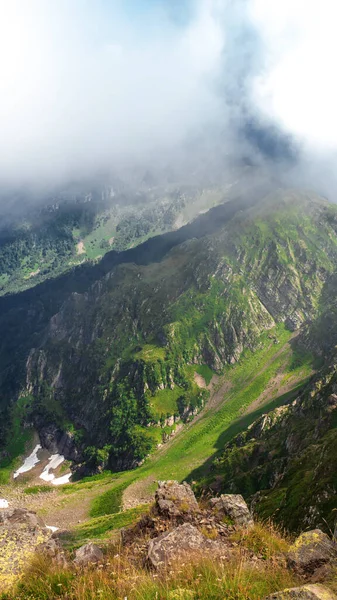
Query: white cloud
[298, 87]
[81, 89]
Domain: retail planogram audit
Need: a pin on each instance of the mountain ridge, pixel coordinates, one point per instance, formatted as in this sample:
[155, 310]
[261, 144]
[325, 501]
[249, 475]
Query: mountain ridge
[110, 374]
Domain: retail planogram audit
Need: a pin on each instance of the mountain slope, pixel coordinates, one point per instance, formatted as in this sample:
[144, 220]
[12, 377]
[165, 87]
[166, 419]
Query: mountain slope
[83, 223]
[116, 360]
[286, 460]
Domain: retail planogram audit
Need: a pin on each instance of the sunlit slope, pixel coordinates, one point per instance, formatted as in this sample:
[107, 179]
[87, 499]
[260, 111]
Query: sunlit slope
[117, 360]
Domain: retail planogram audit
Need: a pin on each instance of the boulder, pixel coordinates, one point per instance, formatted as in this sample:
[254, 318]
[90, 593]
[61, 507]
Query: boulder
[53, 549]
[87, 555]
[233, 507]
[310, 551]
[18, 518]
[183, 540]
[21, 531]
[306, 592]
[174, 499]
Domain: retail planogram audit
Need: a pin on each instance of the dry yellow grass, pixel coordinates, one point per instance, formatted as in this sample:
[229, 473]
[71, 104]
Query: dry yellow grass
[121, 575]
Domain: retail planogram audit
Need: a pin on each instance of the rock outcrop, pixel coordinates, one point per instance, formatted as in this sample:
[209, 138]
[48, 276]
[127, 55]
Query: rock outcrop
[87, 555]
[174, 499]
[307, 592]
[53, 549]
[21, 531]
[173, 545]
[310, 551]
[233, 507]
[283, 447]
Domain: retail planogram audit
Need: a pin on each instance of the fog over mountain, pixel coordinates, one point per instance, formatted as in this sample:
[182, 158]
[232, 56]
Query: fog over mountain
[90, 87]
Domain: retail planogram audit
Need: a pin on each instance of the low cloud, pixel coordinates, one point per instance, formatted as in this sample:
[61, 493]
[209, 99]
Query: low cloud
[90, 85]
[87, 84]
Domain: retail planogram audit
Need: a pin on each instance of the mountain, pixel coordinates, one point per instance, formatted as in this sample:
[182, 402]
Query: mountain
[102, 361]
[285, 462]
[46, 234]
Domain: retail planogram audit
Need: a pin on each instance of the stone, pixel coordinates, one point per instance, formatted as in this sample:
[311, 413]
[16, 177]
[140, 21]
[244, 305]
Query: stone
[178, 543]
[306, 592]
[21, 517]
[87, 555]
[174, 499]
[233, 507]
[21, 531]
[53, 549]
[310, 551]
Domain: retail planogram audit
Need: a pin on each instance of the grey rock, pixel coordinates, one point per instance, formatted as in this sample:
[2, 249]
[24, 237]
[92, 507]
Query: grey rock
[306, 592]
[183, 540]
[174, 499]
[310, 551]
[88, 554]
[20, 517]
[233, 507]
[53, 549]
[21, 531]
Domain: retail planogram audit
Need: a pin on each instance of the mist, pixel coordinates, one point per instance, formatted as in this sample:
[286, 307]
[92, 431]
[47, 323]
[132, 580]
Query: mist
[91, 86]
[87, 84]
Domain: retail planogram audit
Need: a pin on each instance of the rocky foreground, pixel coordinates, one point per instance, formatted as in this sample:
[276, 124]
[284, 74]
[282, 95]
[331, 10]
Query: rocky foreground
[176, 533]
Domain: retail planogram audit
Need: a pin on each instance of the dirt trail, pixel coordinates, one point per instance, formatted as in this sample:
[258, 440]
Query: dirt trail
[138, 493]
[55, 507]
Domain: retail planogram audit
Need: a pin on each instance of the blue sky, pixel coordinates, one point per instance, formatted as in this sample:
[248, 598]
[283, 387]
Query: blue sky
[179, 10]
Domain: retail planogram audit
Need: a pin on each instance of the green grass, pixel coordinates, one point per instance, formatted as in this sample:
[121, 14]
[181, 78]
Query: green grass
[150, 353]
[37, 489]
[190, 455]
[164, 402]
[109, 502]
[18, 438]
[87, 483]
[205, 372]
[100, 528]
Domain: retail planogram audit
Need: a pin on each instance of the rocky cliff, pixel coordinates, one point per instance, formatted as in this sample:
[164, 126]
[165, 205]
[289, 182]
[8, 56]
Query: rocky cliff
[285, 462]
[118, 357]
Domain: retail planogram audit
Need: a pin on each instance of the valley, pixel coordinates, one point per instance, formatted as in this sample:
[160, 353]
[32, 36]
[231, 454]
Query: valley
[263, 380]
[204, 355]
[82, 225]
[168, 300]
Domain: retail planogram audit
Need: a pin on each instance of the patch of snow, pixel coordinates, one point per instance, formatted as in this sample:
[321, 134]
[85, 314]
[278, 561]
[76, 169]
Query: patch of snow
[62, 480]
[29, 462]
[54, 461]
[52, 528]
[3, 503]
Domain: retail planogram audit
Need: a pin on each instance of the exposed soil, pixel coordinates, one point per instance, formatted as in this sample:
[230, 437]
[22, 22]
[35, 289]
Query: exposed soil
[199, 380]
[138, 493]
[80, 248]
[33, 273]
